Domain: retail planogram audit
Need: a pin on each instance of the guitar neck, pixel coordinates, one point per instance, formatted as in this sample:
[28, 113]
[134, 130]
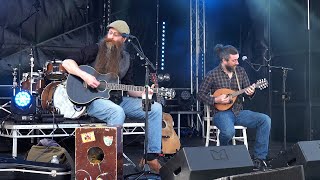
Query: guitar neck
[124, 87]
[237, 93]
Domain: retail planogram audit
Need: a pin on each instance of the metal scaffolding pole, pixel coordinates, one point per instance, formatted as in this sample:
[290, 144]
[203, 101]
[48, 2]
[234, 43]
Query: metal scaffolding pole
[197, 45]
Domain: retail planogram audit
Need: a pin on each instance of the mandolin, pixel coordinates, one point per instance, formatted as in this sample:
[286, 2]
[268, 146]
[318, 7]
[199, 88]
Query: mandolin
[261, 84]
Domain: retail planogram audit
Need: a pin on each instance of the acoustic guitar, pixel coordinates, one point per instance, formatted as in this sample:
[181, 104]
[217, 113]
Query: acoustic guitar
[80, 93]
[261, 84]
[170, 140]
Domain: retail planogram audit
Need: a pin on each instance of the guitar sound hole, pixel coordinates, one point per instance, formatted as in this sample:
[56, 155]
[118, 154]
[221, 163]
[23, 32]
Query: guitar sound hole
[164, 125]
[102, 86]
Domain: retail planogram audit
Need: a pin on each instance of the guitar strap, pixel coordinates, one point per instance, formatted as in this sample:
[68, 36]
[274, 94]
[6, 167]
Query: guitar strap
[235, 73]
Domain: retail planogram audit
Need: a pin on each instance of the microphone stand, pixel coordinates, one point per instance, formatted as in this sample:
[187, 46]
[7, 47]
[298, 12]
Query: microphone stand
[146, 107]
[36, 6]
[284, 95]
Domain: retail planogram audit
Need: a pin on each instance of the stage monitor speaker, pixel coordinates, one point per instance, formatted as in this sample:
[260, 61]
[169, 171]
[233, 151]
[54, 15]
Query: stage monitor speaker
[306, 153]
[287, 173]
[193, 163]
[98, 153]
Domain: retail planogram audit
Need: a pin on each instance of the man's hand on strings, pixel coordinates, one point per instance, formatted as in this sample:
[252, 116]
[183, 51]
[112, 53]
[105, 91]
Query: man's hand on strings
[222, 99]
[250, 90]
[150, 92]
[91, 81]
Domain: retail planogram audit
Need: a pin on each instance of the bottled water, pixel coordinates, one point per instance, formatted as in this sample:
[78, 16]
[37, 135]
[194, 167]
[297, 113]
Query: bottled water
[55, 160]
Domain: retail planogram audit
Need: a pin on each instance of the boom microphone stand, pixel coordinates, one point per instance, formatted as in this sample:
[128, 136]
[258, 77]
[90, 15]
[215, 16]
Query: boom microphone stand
[146, 107]
[284, 95]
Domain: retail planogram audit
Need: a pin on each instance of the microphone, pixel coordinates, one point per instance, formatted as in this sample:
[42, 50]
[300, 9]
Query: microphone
[125, 35]
[244, 58]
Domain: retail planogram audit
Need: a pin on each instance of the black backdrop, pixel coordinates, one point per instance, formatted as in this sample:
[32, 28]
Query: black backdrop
[62, 27]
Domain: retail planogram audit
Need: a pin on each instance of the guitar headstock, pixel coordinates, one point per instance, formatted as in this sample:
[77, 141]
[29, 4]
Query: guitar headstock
[262, 83]
[166, 92]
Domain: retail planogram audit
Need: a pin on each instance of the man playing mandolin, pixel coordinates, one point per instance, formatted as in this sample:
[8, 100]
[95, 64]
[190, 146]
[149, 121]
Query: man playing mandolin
[109, 56]
[229, 77]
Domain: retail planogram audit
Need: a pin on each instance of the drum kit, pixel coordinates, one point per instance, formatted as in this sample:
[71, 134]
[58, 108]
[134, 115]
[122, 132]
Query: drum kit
[49, 87]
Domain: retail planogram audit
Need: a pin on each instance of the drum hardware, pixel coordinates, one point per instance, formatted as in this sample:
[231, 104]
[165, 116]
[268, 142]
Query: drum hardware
[35, 80]
[14, 82]
[54, 70]
[31, 69]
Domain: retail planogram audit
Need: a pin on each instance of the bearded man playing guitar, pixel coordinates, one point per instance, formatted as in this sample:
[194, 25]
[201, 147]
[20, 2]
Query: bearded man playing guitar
[109, 57]
[230, 77]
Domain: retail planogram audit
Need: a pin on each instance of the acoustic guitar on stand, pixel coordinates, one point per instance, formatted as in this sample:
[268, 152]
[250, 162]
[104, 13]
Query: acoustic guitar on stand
[261, 84]
[170, 140]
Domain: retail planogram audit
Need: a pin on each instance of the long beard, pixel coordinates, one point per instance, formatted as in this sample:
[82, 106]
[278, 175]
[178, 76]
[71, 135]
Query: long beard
[108, 57]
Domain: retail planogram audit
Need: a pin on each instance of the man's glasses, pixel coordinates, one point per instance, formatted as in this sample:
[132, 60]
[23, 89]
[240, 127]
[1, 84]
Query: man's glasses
[116, 34]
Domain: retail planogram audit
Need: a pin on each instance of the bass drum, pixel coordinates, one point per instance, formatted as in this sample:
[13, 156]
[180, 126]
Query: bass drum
[55, 98]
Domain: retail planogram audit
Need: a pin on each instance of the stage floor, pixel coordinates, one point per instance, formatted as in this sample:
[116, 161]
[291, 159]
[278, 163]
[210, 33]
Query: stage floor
[132, 146]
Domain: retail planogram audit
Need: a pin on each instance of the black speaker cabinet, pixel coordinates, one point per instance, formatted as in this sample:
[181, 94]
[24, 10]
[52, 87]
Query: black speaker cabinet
[98, 153]
[196, 163]
[287, 173]
[306, 153]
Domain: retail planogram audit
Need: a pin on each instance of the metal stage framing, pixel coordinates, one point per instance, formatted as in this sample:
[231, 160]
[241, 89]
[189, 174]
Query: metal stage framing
[16, 131]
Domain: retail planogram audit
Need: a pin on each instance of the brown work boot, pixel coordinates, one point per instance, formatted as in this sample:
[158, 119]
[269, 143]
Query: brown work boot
[153, 164]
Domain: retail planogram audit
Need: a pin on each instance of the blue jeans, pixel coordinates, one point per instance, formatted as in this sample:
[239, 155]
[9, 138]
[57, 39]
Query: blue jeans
[226, 120]
[130, 107]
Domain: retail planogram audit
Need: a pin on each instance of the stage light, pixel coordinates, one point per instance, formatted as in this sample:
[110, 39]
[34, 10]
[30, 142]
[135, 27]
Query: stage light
[23, 103]
[166, 77]
[185, 95]
[22, 99]
[186, 100]
[160, 77]
[163, 42]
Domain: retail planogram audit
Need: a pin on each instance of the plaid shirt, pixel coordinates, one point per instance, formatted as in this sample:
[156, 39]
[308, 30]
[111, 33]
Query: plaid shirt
[217, 79]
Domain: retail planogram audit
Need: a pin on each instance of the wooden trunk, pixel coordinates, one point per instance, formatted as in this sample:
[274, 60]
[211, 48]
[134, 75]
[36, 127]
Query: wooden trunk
[98, 153]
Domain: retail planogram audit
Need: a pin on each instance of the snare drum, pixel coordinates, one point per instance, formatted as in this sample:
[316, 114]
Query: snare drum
[54, 70]
[55, 98]
[38, 82]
